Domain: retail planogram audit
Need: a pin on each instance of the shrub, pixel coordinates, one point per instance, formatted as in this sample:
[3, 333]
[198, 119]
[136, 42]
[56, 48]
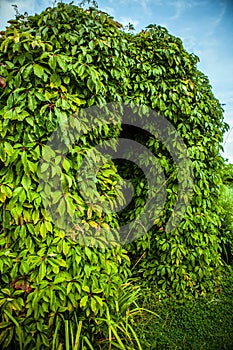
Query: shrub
[164, 77]
[55, 65]
[53, 289]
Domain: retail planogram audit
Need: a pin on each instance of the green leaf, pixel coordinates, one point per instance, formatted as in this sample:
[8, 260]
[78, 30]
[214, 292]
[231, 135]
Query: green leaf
[42, 271]
[53, 62]
[9, 149]
[86, 288]
[59, 280]
[38, 70]
[83, 301]
[32, 104]
[55, 80]
[90, 84]
[43, 230]
[91, 45]
[99, 300]
[93, 305]
[26, 182]
[47, 153]
[62, 63]
[27, 71]
[65, 248]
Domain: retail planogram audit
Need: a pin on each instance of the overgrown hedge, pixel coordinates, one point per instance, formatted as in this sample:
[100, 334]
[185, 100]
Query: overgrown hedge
[55, 64]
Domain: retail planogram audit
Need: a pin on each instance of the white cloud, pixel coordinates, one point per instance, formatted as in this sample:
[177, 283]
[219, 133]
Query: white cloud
[214, 23]
[180, 6]
[143, 4]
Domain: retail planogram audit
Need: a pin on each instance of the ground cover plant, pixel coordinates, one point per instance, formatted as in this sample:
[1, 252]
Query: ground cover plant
[205, 323]
[57, 292]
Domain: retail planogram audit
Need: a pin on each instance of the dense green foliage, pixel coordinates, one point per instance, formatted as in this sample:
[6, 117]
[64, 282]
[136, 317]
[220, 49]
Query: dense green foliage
[165, 77]
[54, 289]
[49, 282]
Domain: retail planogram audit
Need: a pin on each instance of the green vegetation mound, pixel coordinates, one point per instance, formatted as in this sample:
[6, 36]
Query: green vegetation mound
[55, 64]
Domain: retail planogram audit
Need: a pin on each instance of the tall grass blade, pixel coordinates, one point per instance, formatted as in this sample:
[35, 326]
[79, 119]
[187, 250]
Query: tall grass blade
[71, 335]
[117, 337]
[88, 343]
[55, 335]
[67, 341]
[135, 336]
[77, 338]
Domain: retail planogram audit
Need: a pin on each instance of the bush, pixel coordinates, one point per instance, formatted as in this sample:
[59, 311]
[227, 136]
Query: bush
[187, 259]
[54, 287]
[55, 291]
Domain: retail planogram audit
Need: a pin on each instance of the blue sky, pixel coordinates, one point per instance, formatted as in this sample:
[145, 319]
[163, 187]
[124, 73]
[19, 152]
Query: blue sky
[205, 27]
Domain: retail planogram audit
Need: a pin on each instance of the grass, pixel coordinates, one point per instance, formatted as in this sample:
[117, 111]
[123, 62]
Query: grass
[195, 325]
